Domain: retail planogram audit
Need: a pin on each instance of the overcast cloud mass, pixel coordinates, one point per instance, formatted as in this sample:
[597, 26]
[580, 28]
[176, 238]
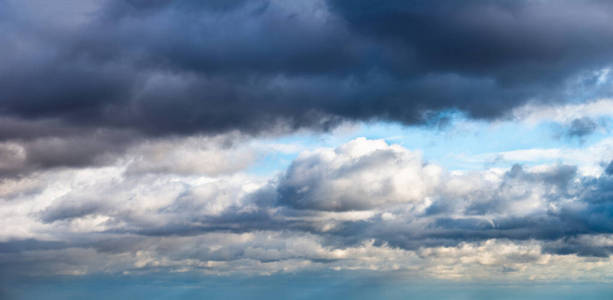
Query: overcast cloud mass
[174, 149]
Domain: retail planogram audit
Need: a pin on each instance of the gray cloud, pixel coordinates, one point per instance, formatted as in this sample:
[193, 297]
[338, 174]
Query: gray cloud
[163, 68]
[400, 212]
[86, 148]
[86, 74]
[581, 127]
[609, 169]
[394, 199]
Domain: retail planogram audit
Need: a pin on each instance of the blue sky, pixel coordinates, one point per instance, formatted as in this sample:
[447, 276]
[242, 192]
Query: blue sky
[465, 138]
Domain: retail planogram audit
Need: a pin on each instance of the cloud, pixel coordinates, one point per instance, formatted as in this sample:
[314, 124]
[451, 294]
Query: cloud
[127, 138]
[400, 215]
[542, 203]
[166, 68]
[609, 169]
[78, 148]
[581, 127]
[204, 155]
[563, 114]
[81, 89]
[30, 146]
[359, 175]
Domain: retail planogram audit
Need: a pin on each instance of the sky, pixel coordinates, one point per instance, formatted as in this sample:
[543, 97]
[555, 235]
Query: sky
[274, 149]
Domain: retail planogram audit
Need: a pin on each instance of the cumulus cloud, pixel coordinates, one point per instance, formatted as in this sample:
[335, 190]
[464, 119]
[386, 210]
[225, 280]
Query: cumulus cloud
[400, 214]
[359, 175]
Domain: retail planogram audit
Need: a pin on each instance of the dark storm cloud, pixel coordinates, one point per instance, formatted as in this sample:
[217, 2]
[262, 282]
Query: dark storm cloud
[28, 146]
[184, 66]
[43, 146]
[511, 41]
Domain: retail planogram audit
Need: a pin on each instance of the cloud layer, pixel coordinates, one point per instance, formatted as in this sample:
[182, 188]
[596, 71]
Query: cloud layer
[363, 205]
[182, 67]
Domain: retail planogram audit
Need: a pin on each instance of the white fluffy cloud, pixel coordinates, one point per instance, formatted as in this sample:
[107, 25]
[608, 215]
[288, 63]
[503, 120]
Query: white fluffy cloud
[363, 205]
[359, 175]
[534, 114]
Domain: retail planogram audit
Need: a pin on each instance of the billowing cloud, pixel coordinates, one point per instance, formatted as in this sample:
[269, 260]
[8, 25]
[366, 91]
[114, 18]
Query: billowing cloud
[359, 175]
[253, 66]
[363, 205]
